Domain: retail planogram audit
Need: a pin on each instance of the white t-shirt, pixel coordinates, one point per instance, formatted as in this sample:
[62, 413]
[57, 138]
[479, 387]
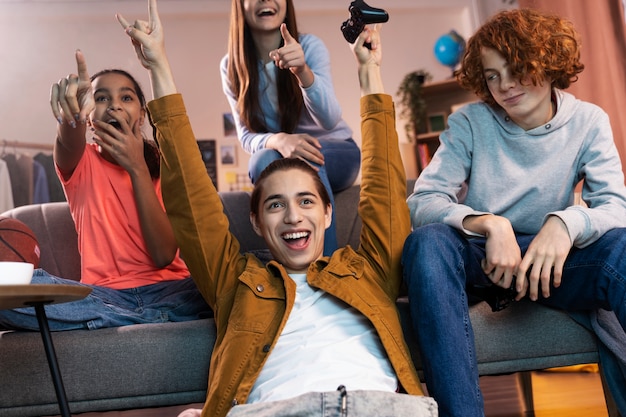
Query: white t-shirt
[325, 343]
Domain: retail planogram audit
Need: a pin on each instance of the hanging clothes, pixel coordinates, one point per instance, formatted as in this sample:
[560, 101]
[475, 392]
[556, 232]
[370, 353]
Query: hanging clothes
[6, 191]
[21, 173]
[40, 184]
[54, 184]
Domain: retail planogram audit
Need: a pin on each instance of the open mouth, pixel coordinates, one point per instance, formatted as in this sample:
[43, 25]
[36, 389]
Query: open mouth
[115, 124]
[266, 12]
[296, 239]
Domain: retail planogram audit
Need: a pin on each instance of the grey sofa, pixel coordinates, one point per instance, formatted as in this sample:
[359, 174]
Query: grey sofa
[155, 365]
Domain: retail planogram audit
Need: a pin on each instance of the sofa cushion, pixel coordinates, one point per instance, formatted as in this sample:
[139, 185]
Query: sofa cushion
[524, 336]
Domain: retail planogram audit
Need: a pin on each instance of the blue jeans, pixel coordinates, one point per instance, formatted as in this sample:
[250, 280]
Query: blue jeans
[438, 263]
[177, 300]
[342, 162]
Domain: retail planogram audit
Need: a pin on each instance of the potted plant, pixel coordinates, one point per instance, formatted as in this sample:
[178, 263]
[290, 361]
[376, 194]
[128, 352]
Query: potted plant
[412, 103]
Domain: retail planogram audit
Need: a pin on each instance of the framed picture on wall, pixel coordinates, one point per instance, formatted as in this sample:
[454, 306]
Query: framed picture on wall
[228, 155]
[207, 149]
[229, 125]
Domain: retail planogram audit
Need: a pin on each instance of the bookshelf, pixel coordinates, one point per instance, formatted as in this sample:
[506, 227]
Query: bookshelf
[440, 97]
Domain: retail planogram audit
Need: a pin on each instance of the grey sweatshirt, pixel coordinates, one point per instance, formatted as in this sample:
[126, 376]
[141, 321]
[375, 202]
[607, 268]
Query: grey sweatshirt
[488, 164]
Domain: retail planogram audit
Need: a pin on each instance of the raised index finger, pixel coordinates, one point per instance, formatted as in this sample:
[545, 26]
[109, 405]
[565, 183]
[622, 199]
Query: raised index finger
[81, 66]
[285, 34]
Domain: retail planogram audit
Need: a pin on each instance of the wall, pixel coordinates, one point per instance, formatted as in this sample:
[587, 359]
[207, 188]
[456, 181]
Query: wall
[38, 39]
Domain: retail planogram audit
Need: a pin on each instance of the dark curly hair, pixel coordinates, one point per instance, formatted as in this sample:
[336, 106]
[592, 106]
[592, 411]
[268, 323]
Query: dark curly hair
[536, 46]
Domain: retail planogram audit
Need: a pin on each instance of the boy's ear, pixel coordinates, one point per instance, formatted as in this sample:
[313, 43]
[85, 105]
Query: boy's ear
[255, 225]
[328, 215]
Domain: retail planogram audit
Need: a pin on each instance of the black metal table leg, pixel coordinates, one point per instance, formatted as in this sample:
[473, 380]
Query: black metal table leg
[44, 329]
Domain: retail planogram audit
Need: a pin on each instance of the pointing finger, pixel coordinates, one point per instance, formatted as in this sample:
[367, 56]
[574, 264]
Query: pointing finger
[286, 35]
[81, 65]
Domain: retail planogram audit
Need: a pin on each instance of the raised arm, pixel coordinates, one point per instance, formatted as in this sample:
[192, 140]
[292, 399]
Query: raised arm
[71, 100]
[382, 206]
[193, 205]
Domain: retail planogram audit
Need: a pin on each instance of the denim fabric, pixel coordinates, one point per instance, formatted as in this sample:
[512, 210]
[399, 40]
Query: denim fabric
[342, 403]
[438, 263]
[105, 307]
[342, 162]
[614, 371]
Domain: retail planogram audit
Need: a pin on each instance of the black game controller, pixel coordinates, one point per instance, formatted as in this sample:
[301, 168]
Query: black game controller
[497, 297]
[360, 15]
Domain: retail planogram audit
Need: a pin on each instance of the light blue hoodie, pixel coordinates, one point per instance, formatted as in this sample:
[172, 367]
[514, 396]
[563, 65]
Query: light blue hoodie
[488, 164]
[321, 114]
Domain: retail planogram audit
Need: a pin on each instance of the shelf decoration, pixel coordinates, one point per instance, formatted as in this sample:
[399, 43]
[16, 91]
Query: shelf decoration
[412, 103]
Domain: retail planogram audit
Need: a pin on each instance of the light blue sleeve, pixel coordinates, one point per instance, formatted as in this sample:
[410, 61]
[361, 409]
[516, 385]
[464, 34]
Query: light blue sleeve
[319, 98]
[250, 141]
[440, 186]
[603, 188]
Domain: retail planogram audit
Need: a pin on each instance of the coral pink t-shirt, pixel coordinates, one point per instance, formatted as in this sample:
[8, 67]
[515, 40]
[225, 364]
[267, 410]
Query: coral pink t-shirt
[112, 247]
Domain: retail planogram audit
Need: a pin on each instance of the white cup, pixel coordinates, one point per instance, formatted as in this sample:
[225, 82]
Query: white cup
[16, 273]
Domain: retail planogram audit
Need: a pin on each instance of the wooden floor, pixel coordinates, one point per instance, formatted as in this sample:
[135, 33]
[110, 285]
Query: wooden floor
[556, 394]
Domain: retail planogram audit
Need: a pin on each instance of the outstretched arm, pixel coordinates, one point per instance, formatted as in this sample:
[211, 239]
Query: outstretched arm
[71, 100]
[193, 206]
[382, 207]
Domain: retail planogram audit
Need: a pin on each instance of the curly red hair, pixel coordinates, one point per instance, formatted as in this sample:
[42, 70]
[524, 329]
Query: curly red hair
[536, 46]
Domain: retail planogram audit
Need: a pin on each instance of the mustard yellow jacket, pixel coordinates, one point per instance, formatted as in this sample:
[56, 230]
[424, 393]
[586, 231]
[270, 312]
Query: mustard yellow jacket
[252, 301]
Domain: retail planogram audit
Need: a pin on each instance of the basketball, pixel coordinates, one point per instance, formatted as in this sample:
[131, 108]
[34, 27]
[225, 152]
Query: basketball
[18, 242]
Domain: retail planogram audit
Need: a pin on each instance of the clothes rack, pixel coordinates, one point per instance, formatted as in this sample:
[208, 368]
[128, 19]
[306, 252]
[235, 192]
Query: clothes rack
[14, 144]
[27, 174]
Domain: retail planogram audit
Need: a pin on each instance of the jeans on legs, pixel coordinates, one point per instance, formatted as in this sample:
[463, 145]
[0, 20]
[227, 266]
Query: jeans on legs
[177, 300]
[438, 264]
[342, 162]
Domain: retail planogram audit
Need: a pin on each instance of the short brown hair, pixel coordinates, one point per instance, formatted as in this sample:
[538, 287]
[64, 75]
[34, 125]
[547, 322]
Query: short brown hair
[535, 45]
[285, 164]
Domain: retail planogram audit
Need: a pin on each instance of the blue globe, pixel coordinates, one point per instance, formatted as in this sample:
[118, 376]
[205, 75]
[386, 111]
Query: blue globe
[449, 49]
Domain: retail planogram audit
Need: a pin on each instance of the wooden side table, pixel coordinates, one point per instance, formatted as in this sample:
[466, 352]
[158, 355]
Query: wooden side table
[37, 296]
